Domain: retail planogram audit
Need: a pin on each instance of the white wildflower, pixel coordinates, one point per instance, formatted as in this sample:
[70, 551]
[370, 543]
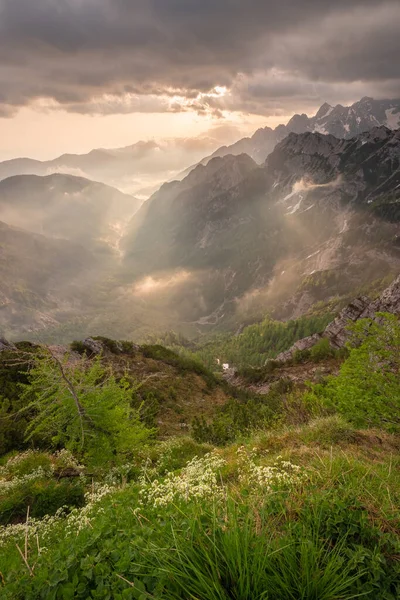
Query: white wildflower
[198, 480]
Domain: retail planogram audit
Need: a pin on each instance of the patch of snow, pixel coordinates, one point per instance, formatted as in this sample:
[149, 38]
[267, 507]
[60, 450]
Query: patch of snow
[314, 254]
[306, 209]
[290, 195]
[320, 129]
[358, 119]
[344, 228]
[275, 184]
[347, 127]
[282, 272]
[392, 119]
[296, 206]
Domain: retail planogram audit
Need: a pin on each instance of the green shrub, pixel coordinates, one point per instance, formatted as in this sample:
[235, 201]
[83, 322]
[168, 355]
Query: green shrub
[33, 479]
[182, 363]
[14, 418]
[367, 389]
[25, 463]
[321, 350]
[79, 347]
[42, 496]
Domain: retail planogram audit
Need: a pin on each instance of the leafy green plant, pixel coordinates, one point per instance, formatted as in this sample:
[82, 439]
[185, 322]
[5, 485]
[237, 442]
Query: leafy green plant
[82, 407]
[367, 389]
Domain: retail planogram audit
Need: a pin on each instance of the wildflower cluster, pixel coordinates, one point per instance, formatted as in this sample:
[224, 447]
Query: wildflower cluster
[282, 472]
[7, 485]
[80, 518]
[23, 462]
[73, 522]
[64, 459]
[118, 475]
[32, 529]
[198, 480]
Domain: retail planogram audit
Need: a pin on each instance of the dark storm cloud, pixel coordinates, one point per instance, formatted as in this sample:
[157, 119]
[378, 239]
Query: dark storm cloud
[89, 55]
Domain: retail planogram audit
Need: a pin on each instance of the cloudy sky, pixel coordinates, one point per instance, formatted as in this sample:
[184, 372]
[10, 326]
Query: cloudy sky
[77, 74]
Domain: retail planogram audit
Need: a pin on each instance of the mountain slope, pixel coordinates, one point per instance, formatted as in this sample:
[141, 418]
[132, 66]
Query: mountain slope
[43, 279]
[319, 204]
[65, 206]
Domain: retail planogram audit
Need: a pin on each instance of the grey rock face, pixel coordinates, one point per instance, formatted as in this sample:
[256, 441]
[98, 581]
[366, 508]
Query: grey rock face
[303, 344]
[388, 301]
[94, 346]
[5, 345]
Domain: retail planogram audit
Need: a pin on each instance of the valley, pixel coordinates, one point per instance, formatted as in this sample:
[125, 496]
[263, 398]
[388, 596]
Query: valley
[199, 391]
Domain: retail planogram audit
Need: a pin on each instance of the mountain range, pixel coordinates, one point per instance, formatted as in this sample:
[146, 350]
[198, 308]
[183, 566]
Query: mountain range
[318, 205]
[139, 168]
[236, 237]
[142, 167]
[340, 121]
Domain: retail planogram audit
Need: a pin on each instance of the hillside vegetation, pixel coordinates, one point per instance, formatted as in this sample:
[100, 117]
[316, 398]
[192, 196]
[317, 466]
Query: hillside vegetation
[299, 501]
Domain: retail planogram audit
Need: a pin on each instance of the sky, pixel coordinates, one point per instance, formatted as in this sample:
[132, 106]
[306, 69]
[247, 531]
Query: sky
[78, 74]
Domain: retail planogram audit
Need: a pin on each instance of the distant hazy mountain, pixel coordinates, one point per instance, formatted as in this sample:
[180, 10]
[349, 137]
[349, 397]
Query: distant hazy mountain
[340, 121]
[64, 206]
[319, 218]
[140, 168]
[42, 277]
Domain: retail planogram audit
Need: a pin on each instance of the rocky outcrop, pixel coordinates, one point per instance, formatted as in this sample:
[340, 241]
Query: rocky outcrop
[388, 301]
[93, 346]
[5, 345]
[96, 346]
[303, 344]
[361, 308]
[336, 331]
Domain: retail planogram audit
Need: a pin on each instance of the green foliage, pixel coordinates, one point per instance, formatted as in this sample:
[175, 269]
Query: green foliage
[116, 347]
[113, 346]
[259, 375]
[332, 537]
[183, 363]
[234, 555]
[258, 342]
[79, 347]
[82, 407]
[321, 350]
[40, 482]
[367, 389]
[174, 453]
[14, 371]
[43, 497]
[240, 416]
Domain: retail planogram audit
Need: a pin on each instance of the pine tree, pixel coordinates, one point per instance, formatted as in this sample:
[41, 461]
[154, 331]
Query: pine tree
[81, 406]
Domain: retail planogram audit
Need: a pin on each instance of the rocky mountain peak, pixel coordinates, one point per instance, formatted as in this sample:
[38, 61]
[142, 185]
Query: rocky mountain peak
[222, 171]
[366, 100]
[309, 143]
[298, 123]
[344, 122]
[324, 110]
